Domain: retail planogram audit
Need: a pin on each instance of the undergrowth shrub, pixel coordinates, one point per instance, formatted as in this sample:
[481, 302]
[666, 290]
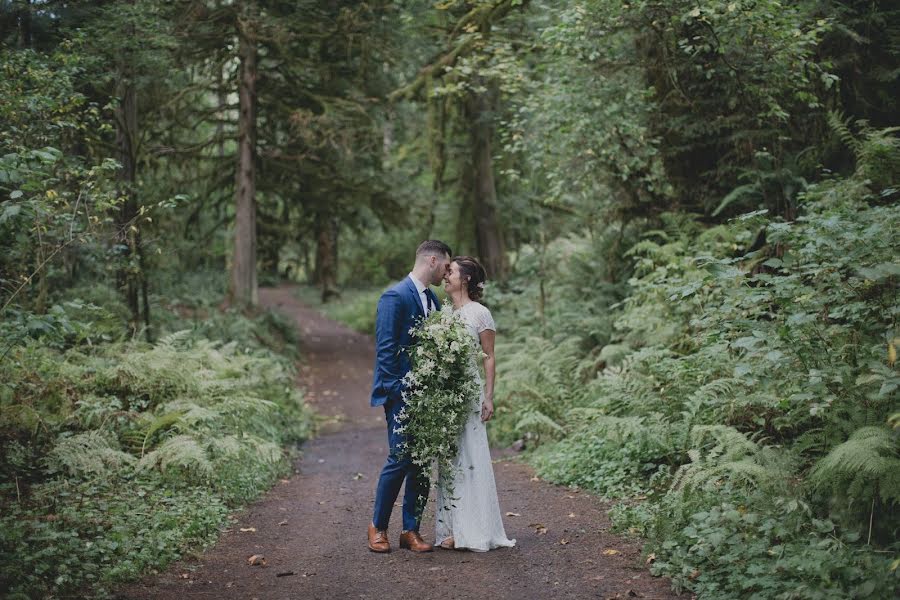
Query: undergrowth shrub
[743, 399]
[119, 457]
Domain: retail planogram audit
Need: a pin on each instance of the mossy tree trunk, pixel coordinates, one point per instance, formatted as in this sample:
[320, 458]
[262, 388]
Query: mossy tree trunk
[244, 287]
[479, 183]
[131, 274]
[327, 256]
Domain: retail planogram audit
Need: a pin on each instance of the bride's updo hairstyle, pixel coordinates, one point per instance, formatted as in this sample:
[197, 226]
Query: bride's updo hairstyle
[471, 271]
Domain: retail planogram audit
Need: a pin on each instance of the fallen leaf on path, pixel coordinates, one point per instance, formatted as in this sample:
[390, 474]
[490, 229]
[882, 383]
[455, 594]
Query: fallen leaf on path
[650, 558]
[285, 481]
[539, 528]
[610, 552]
[535, 478]
[246, 529]
[563, 541]
[283, 522]
[512, 514]
[257, 560]
[321, 502]
[229, 584]
[185, 575]
[571, 515]
[358, 476]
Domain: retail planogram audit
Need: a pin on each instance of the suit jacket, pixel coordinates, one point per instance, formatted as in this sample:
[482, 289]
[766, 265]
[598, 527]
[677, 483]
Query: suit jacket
[398, 309]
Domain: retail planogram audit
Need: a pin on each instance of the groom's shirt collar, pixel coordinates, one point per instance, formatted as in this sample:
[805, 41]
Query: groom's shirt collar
[420, 287]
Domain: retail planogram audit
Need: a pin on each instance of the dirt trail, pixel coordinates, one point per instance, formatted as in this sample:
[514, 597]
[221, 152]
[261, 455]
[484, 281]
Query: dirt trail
[311, 528]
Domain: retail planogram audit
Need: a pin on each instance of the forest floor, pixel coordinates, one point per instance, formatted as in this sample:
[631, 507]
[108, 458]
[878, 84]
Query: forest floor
[311, 528]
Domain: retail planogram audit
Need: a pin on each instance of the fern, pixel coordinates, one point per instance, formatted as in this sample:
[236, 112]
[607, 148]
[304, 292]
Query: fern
[722, 454]
[87, 454]
[537, 425]
[841, 127]
[181, 451]
[877, 151]
[866, 462]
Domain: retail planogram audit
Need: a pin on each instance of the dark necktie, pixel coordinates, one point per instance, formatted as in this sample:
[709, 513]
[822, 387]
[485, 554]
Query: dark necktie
[430, 301]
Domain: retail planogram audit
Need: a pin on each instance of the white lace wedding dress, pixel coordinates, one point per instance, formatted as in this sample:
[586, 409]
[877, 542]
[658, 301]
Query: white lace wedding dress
[472, 517]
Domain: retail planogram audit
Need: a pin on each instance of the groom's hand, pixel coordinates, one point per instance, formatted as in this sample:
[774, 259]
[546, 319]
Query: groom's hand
[487, 411]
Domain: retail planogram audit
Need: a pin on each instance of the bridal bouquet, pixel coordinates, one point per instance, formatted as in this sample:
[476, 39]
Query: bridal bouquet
[441, 391]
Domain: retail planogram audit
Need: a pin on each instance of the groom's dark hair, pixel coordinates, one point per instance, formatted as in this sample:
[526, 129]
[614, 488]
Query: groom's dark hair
[433, 247]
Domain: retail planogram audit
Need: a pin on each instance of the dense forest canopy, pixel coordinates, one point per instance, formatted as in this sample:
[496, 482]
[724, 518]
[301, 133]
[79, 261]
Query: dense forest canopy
[688, 211]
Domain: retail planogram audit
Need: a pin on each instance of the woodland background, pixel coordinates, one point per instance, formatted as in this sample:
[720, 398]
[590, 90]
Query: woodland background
[688, 210]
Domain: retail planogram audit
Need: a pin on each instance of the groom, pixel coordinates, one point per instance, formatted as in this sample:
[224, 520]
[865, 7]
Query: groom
[398, 309]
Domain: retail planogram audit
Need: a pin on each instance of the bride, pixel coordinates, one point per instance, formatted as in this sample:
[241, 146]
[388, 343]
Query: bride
[471, 519]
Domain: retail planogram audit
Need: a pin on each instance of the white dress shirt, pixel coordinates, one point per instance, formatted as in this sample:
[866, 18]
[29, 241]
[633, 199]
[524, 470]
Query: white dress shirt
[423, 297]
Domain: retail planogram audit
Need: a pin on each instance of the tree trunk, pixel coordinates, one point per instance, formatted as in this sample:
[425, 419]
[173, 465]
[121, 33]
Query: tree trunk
[126, 127]
[326, 257]
[488, 237]
[24, 24]
[130, 275]
[244, 290]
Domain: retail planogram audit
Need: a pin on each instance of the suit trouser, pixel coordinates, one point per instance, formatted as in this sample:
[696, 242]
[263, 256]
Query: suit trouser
[394, 472]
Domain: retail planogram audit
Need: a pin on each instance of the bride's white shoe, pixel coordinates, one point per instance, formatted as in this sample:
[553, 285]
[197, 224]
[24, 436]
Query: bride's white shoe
[448, 544]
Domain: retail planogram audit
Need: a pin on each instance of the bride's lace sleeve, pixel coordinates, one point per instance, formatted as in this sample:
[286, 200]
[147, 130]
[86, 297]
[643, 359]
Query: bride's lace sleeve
[484, 320]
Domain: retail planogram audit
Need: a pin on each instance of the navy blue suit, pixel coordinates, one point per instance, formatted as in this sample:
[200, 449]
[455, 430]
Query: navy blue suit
[398, 310]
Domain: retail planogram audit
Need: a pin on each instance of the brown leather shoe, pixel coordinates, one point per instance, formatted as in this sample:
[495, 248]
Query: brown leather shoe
[411, 540]
[378, 540]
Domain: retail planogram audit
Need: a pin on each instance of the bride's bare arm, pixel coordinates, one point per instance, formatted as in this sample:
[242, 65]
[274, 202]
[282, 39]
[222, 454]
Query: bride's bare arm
[487, 346]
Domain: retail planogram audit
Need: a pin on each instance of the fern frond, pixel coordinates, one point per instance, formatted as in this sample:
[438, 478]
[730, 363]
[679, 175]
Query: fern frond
[841, 127]
[87, 454]
[535, 422]
[180, 451]
[729, 442]
[867, 459]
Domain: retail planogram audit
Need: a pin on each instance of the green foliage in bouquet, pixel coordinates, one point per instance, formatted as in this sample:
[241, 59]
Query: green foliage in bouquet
[441, 393]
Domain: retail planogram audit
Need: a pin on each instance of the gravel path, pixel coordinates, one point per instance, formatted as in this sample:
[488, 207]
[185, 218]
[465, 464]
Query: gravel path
[311, 528]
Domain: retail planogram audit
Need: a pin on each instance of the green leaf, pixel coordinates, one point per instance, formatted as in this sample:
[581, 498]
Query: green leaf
[880, 271]
[10, 211]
